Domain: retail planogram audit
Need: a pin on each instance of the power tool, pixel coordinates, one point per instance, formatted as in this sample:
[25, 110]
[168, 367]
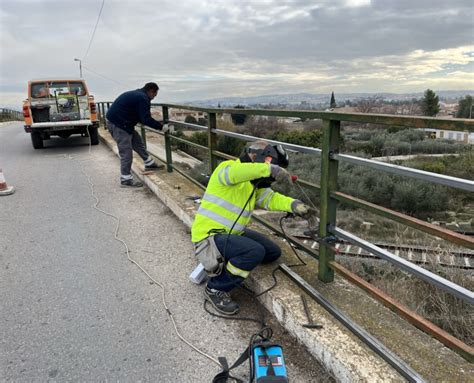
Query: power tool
[267, 363]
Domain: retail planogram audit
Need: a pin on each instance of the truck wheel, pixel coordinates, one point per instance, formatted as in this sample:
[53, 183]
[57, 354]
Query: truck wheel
[94, 135]
[36, 140]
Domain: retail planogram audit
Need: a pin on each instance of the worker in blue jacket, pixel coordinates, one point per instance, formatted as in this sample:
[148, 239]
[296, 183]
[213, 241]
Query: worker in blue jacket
[129, 109]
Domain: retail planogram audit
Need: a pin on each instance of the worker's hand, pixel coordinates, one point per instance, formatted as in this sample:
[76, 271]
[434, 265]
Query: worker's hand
[280, 174]
[168, 128]
[300, 209]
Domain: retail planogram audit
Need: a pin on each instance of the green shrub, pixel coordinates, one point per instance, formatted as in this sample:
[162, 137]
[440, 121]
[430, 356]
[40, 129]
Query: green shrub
[434, 167]
[395, 129]
[190, 120]
[304, 138]
[230, 145]
[398, 142]
[415, 197]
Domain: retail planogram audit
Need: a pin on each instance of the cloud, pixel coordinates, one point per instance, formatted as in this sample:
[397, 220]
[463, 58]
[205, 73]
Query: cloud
[202, 48]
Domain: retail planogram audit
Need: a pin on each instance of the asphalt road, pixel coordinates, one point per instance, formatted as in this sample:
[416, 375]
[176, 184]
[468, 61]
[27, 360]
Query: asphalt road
[72, 307]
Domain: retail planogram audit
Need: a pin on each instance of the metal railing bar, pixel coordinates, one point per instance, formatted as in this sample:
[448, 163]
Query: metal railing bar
[308, 184]
[197, 183]
[458, 291]
[153, 130]
[441, 179]
[179, 171]
[190, 143]
[292, 240]
[187, 125]
[459, 239]
[245, 137]
[156, 156]
[457, 124]
[423, 324]
[373, 343]
[223, 155]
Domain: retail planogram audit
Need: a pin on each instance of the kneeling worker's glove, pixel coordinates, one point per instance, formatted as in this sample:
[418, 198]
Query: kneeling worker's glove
[280, 174]
[167, 128]
[300, 209]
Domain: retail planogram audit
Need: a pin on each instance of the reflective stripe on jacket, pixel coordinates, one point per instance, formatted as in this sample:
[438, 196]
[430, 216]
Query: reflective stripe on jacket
[226, 194]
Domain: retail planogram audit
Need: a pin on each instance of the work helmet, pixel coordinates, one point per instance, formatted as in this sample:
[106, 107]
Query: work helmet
[263, 150]
[266, 152]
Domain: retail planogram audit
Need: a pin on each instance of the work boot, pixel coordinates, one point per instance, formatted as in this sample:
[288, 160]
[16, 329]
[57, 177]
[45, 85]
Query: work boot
[154, 166]
[130, 184]
[221, 301]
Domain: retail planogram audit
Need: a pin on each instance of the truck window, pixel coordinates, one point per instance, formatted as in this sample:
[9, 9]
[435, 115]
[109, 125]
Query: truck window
[39, 90]
[58, 88]
[77, 87]
[62, 89]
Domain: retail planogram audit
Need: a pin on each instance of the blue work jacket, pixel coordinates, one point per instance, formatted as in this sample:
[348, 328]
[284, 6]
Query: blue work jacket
[131, 108]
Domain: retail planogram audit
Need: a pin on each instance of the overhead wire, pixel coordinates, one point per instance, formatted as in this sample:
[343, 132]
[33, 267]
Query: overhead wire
[103, 76]
[95, 29]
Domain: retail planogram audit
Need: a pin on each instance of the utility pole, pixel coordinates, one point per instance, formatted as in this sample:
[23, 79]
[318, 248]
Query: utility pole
[80, 66]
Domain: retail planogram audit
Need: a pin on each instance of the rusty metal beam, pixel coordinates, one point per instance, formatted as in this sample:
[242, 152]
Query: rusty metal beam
[466, 351]
[458, 239]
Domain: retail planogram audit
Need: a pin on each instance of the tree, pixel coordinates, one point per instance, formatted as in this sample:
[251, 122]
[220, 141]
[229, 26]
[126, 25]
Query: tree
[367, 105]
[430, 103]
[190, 120]
[238, 119]
[332, 104]
[202, 121]
[464, 107]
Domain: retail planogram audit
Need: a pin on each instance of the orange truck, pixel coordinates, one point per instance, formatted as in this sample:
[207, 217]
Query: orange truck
[59, 108]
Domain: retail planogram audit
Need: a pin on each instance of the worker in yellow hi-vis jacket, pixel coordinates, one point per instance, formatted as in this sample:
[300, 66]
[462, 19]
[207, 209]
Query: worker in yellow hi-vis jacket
[227, 249]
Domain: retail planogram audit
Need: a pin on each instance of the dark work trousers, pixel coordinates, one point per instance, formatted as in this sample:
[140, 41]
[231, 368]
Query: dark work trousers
[126, 144]
[244, 251]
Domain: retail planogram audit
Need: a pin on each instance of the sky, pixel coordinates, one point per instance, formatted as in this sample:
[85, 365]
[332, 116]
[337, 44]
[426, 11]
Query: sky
[201, 49]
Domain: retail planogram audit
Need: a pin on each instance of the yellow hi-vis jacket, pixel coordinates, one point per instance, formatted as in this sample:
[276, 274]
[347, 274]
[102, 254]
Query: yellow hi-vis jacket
[227, 191]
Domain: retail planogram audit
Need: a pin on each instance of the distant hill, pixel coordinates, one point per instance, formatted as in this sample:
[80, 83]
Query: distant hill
[322, 98]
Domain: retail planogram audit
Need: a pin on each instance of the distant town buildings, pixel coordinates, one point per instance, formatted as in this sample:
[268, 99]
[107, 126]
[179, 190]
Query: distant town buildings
[177, 114]
[465, 136]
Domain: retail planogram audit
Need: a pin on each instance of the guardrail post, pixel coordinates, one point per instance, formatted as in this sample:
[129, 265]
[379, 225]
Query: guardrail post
[99, 113]
[329, 170]
[105, 121]
[169, 158]
[102, 114]
[212, 141]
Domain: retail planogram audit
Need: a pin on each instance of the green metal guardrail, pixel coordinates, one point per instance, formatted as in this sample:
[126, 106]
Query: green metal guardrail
[10, 115]
[329, 195]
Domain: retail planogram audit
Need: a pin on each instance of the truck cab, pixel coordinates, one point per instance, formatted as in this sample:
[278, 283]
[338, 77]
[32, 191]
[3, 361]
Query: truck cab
[59, 108]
